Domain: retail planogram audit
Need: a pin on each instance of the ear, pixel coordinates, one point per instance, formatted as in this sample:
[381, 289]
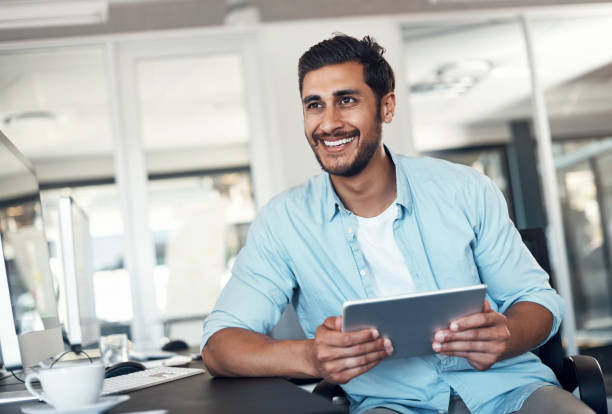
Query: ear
[387, 107]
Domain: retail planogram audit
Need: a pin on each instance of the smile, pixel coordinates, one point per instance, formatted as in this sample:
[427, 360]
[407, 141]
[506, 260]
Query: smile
[338, 142]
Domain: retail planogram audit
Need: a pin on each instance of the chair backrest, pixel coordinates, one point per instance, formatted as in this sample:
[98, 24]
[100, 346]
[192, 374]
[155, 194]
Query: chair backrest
[551, 353]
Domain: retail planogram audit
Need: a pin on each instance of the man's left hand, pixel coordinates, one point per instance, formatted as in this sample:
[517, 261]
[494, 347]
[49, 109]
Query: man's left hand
[481, 338]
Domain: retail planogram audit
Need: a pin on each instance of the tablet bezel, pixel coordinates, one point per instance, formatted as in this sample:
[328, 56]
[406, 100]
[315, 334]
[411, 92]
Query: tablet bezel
[441, 307]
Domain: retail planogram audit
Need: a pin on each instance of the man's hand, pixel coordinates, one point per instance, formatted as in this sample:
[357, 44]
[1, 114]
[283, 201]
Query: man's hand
[340, 357]
[481, 338]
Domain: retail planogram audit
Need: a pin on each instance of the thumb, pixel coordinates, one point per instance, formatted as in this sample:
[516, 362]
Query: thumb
[339, 323]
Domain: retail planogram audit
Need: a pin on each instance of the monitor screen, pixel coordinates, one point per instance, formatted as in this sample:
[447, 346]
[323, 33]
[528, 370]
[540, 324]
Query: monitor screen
[77, 295]
[26, 275]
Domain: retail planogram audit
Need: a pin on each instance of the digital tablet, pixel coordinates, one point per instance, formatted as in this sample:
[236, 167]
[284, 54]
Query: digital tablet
[411, 320]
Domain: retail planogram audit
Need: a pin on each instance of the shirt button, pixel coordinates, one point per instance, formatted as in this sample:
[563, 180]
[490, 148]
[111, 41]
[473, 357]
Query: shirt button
[363, 272]
[350, 230]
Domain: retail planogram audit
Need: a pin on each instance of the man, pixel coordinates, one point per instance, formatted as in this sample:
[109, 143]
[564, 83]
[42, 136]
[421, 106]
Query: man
[374, 224]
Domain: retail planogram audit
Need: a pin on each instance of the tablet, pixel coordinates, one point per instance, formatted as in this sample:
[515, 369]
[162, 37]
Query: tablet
[411, 320]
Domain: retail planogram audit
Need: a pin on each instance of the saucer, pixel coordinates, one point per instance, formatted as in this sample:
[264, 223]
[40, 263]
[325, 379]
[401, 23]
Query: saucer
[102, 405]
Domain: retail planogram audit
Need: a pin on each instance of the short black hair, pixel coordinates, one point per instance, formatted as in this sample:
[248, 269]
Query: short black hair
[377, 72]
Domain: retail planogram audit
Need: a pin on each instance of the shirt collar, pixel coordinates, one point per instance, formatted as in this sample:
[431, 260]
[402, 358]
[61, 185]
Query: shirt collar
[403, 198]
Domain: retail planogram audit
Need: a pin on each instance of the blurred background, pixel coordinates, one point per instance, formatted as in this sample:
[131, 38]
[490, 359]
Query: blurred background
[170, 122]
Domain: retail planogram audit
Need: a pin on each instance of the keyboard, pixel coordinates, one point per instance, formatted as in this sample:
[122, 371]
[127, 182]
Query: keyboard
[147, 378]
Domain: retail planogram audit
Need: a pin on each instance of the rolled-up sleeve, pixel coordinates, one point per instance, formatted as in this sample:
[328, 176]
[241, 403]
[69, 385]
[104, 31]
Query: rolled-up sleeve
[505, 264]
[260, 287]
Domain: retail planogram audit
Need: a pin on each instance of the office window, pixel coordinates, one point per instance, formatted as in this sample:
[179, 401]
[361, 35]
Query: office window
[192, 112]
[54, 103]
[585, 184]
[199, 223]
[196, 138]
[465, 89]
[575, 65]
[55, 107]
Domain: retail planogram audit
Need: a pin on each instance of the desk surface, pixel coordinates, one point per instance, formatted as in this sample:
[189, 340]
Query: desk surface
[204, 394]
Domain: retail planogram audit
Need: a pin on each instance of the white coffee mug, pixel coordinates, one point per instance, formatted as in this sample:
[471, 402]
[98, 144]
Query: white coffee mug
[68, 387]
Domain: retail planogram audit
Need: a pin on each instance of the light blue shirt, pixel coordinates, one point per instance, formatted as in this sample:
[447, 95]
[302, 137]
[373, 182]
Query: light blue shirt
[453, 230]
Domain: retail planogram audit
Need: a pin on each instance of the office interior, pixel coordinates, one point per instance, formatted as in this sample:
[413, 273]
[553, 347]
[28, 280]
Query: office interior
[171, 122]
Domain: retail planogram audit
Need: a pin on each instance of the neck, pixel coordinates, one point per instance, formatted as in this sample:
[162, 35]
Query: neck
[370, 192]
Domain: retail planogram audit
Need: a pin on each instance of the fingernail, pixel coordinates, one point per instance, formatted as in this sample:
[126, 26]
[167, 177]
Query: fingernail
[375, 334]
[440, 336]
[437, 346]
[388, 346]
[454, 326]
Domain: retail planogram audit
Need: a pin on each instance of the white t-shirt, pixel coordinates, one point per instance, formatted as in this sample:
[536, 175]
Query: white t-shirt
[385, 262]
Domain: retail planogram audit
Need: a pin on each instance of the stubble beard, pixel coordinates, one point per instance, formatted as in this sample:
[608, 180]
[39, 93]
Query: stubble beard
[364, 154]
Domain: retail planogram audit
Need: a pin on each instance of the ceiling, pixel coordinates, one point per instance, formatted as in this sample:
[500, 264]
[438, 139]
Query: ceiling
[574, 64]
[147, 15]
[56, 102]
[70, 86]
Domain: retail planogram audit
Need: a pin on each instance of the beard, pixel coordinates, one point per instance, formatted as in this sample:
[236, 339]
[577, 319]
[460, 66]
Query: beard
[364, 154]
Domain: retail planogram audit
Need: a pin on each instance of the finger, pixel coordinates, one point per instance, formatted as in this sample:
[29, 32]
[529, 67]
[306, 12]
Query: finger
[491, 347]
[479, 334]
[339, 323]
[347, 339]
[348, 374]
[358, 361]
[486, 307]
[330, 323]
[331, 352]
[442, 335]
[477, 320]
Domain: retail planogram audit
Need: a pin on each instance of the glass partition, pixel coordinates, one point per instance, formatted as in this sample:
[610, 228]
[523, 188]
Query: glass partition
[465, 89]
[196, 140]
[575, 65]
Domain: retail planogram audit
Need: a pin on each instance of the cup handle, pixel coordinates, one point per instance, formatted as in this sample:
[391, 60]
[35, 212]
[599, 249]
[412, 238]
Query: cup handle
[28, 383]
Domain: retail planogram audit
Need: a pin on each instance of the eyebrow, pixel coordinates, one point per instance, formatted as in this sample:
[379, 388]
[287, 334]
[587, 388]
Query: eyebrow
[341, 92]
[344, 92]
[311, 98]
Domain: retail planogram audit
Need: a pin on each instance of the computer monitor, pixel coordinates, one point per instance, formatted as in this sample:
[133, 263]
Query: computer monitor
[30, 331]
[77, 301]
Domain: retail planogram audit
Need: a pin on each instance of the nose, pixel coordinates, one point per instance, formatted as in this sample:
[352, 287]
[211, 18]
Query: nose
[331, 120]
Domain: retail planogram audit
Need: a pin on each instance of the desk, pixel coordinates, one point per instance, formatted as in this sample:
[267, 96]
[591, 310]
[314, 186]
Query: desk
[204, 394]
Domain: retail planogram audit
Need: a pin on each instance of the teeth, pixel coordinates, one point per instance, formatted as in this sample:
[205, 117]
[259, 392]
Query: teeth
[339, 142]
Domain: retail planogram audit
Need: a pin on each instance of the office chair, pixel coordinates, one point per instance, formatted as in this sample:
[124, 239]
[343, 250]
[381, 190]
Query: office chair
[574, 371]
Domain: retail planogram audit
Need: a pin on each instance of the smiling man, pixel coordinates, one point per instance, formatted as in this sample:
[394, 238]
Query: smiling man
[373, 224]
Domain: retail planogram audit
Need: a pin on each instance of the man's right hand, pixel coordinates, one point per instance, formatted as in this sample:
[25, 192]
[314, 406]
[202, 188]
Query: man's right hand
[341, 356]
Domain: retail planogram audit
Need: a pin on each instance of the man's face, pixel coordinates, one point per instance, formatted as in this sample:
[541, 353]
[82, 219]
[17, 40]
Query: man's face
[340, 118]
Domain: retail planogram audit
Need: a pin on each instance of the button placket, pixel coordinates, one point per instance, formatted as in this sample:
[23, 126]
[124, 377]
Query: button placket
[350, 230]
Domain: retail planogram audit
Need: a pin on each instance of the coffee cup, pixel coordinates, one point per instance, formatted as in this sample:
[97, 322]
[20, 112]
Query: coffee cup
[68, 387]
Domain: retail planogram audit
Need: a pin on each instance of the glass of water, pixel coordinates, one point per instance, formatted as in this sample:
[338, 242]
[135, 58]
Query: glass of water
[113, 349]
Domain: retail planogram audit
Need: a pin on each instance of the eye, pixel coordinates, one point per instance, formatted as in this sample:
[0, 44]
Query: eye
[314, 105]
[345, 100]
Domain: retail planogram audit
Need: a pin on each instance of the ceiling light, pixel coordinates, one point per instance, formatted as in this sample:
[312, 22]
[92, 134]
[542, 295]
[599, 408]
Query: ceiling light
[44, 13]
[241, 12]
[28, 115]
[453, 79]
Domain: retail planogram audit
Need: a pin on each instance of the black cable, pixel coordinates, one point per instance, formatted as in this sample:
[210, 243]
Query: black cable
[16, 377]
[68, 352]
[88, 357]
[58, 358]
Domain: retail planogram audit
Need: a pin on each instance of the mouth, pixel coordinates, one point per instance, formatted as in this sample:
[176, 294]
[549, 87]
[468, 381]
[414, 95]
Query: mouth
[337, 143]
